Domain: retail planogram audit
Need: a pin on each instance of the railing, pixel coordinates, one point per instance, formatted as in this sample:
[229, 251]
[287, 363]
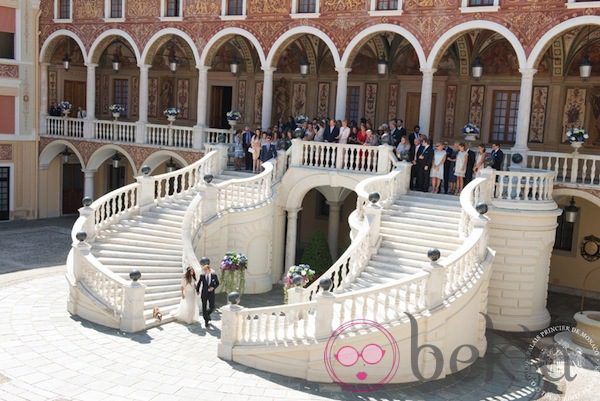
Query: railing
[212, 135]
[113, 205]
[106, 286]
[531, 187]
[245, 193]
[62, 126]
[169, 135]
[572, 169]
[114, 131]
[354, 158]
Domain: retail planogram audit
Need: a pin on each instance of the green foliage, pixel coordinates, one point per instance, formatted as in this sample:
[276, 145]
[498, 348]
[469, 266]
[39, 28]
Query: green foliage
[316, 254]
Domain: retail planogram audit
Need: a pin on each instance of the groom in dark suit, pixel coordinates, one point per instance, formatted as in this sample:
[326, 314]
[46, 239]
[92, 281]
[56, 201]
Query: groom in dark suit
[208, 282]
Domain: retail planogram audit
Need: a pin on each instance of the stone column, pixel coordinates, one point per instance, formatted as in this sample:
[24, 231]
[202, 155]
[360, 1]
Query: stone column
[267, 101]
[426, 97]
[202, 105]
[524, 115]
[333, 228]
[88, 183]
[140, 134]
[43, 96]
[90, 94]
[292, 231]
[342, 92]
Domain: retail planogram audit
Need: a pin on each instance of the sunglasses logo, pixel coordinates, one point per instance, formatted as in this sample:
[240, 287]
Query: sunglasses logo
[348, 355]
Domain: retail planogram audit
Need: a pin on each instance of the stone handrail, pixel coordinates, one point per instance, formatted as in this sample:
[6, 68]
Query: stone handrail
[354, 158]
[169, 135]
[211, 135]
[115, 131]
[64, 126]
[570, 168]
[531, 188]
[245, 193]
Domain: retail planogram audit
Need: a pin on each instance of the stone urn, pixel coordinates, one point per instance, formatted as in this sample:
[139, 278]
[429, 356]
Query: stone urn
[116, 115]
[576, 145]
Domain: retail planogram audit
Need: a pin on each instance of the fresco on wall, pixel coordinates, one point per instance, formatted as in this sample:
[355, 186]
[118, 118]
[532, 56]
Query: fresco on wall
[450, 111]
[323, 100]
[281, 100]
[499, 59]
[152, 97]
[299, 99]
[476, 108]
[258, 93]
[183, 97]
[538, 114]
[594, 126]
[574, 111]
[242, 98]
[370, 102]
[393, 101]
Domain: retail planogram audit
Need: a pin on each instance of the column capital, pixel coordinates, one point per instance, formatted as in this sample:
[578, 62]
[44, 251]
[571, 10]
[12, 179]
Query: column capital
[293, 212]
[428, 70]
[268, 70]
[527, 72]
[203, 68]
[91, 65]
[343, 70]
[144, 66]
[334, 204]
[88, 171]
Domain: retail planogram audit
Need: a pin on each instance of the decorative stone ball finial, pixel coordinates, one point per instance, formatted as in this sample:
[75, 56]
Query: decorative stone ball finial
[81, 236]
[233, 298]
[488, 161]
[208, 178]
[146, 170]
[87, 201]
[221, 138]
[325, 283]
[135, 275]
[297, 280]
[517, 158]
[481, 208]
[433, 254]
[374, 197]
[204, 261]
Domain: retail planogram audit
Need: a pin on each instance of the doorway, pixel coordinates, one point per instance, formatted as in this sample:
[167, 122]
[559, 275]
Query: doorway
[72, 193]
[116, 178]
[413, 111]
[75, 94]
[4, 193]
[221, 103]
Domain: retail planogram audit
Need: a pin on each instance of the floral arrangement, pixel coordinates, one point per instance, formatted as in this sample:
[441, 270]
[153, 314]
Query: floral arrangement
[233, 272]
[171, 112]
[577, 135]
[470, 129]
[233, 115]
[65, 105]
[301, 270]
[116, 108]
[234, 261]
[300, 119]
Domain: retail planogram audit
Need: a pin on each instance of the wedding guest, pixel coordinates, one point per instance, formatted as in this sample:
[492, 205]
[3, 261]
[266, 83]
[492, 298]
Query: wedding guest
[403, 148]
[424, 163]
[207, 284]
[470, 164]
[238, 150]
[332, 132]
[414, 153]
[479, 160]
[247, 143]
[255, 148]
[449, 178]
[497, 156]
[437, 169]
[344, 132]
[361, 135]
[268, 150]
[460, 167]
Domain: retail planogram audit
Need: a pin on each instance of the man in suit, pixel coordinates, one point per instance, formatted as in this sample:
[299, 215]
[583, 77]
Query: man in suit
[268, 151]
[207, 284]
[395, 134]
[416, 134]
[424, 163]
[246, 143]
[414, 153]
[332, 131]
[497, 156]
[447, 166]
[471, 156]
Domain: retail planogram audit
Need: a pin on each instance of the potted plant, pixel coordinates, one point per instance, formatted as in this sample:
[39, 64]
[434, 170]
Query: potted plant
[470, 132]
[233, 271]
[116, 110]
[299, 275]
[171, 113]
[65, 108]
[300, 119]
[233, 117]
[576, 137]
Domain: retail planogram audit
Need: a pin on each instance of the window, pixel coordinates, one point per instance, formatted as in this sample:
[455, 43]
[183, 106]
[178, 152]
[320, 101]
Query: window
[4, 193]
[171, 9]
[385, 7]
[63, 11]
[235, 7]
[305, 9]
[564, 234]
[352, 103]
[475, 6]
[120, 93]
[7, 32]
[504, 120]
[582, 4]
[114, 9]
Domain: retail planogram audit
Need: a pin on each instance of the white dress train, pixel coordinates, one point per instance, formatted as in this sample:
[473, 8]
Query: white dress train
[188, 311]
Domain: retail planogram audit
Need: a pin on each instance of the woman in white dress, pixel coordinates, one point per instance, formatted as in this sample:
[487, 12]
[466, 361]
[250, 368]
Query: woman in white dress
[460, 167]
[344, 132]
[479, 161]
[437, 169]
[188, 311]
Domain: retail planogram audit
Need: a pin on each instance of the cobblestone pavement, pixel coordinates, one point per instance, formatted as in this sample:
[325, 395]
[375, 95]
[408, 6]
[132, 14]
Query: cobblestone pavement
[46, 354]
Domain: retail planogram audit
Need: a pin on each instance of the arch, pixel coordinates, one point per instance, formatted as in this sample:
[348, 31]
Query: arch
[297, 31]
[302, 185]
[159, 157]
[165, 32]
[107, 34]
[549, 36]
[373, 29]
[54, 148]
[224, 33]
[105, 152]
[446, 39]
[46, 47]
[579, 193]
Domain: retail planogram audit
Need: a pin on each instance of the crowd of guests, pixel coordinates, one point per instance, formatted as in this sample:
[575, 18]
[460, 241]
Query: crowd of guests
[438, 166]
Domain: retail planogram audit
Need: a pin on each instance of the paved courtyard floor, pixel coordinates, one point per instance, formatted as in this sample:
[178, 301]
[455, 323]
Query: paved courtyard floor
[46, 354]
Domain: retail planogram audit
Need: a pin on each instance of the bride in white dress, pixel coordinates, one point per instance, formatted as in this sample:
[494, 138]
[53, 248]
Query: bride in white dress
[188, 311]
